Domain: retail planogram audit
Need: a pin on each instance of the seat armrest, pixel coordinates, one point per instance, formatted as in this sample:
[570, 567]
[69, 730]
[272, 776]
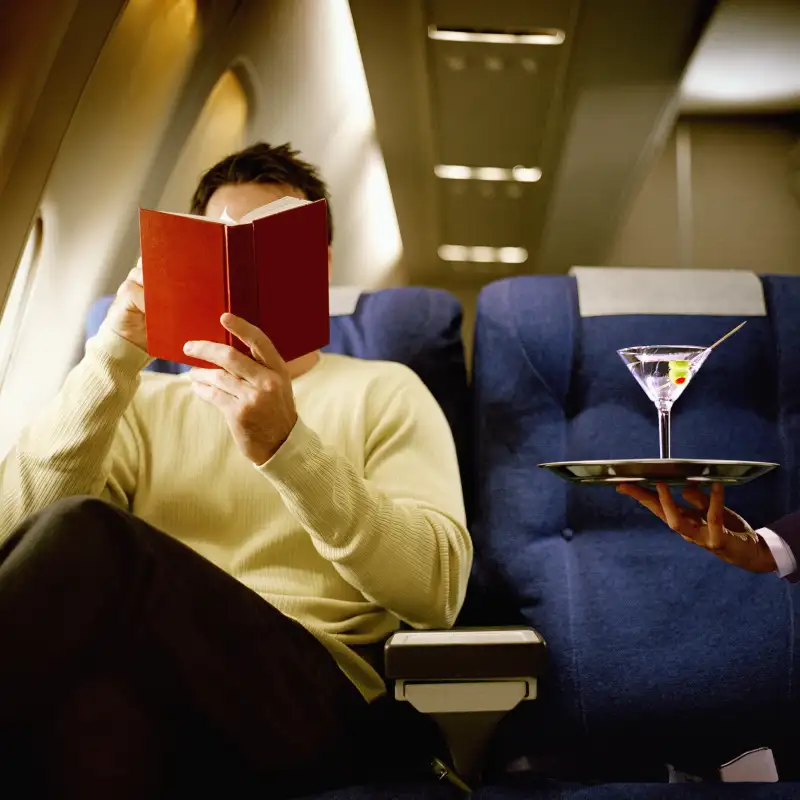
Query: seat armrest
[465, 654]
[467, 679]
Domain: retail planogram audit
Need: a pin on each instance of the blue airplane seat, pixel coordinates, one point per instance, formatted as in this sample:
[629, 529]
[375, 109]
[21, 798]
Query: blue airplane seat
[658, 651]
[632, 791]
[552, 790]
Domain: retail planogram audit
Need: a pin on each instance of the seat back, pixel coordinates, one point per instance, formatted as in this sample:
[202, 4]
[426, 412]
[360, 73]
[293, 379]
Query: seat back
[415, 326]
[651, 640]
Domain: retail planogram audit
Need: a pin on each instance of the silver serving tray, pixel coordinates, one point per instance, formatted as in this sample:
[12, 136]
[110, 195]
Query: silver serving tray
[672, 471]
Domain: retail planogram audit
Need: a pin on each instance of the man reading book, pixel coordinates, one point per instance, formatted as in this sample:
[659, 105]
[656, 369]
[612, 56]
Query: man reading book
[197, 572]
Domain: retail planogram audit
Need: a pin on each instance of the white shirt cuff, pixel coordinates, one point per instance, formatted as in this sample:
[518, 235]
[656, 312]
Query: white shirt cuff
[781, 552]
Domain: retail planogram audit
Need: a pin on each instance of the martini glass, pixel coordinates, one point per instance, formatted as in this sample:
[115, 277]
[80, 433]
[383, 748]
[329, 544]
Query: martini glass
[664, 372]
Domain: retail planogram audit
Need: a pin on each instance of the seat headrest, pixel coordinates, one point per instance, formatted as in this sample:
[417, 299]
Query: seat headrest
[609, 291]
[342, 300]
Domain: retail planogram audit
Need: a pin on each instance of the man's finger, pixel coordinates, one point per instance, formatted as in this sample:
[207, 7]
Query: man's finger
[137, 295]
[647, 498]
[259, 343]
[227, 358]
[137, 274]
[671, 511]
[219, 379]
[715, 517]
[211, 394]
[697, 498]
[131, 294]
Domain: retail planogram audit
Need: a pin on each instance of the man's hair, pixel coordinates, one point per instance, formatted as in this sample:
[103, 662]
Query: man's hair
[263, 163]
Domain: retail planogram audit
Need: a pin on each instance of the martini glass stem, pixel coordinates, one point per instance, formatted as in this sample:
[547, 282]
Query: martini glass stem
[664, 442]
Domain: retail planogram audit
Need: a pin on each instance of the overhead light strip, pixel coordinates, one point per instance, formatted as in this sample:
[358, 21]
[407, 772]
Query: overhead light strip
[462, 173]
[483, 255]
[539, 36]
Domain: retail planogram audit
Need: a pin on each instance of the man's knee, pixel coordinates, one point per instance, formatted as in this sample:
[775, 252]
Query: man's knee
[85, 528]
[80, 507]
[77, 517]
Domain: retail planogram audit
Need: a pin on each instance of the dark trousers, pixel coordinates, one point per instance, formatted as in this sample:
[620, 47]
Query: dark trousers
[131, 667]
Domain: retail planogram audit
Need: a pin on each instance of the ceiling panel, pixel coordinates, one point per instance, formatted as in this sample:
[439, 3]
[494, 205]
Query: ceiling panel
[491, 101]
[590, 113]
[484, 212]
[494, 105]
[624, 85]
[500, 13]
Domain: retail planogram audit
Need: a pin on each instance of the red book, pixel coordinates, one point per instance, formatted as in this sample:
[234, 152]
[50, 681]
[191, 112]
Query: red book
[270, 268]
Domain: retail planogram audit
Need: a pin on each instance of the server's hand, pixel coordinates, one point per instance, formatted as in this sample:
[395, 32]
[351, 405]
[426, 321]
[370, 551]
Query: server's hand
[708, 523]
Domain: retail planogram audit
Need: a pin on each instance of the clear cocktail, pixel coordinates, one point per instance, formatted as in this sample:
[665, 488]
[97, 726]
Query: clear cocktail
[664, 372]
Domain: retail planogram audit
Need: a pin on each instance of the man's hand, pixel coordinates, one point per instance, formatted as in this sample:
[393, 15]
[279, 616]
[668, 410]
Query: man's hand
[126, 315]
[254, 394]
[705, 524]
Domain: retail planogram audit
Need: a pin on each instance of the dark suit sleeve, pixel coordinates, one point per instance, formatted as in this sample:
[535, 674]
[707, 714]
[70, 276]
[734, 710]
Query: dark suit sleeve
[788, 528]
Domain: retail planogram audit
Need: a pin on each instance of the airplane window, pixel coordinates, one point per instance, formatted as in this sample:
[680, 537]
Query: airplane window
[220, 130]
[11, 315]
[102, 162]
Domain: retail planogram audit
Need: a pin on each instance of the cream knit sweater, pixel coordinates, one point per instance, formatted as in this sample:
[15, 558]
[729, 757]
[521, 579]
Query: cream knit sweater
[357, 522]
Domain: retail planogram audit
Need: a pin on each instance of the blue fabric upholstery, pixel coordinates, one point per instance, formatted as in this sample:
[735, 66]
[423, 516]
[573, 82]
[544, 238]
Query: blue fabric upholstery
[654, 644]
[643, 791]
[564, 791]
[416, 791]
[554, 791]
[613, 791]
[415, 326]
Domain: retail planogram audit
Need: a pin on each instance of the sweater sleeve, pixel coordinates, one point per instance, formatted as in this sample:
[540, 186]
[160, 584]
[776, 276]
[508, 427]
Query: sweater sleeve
[397, 534]
[80, 445]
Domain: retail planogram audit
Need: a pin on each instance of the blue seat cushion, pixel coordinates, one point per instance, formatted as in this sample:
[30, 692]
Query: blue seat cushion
[644, 791]
[551, 790]
[566, 791]
[419, 791]
[650, 639]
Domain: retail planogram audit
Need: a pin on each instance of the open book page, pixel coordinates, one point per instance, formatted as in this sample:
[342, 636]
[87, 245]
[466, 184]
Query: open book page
[191, 216]
[275, 207]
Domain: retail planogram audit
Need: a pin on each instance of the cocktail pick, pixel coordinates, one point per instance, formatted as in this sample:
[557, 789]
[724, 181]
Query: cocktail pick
[729, 333]
[703, 354]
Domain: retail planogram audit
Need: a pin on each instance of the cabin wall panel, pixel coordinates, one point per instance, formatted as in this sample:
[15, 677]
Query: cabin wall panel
[313, 93]
[743, 213]
[92, 189]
